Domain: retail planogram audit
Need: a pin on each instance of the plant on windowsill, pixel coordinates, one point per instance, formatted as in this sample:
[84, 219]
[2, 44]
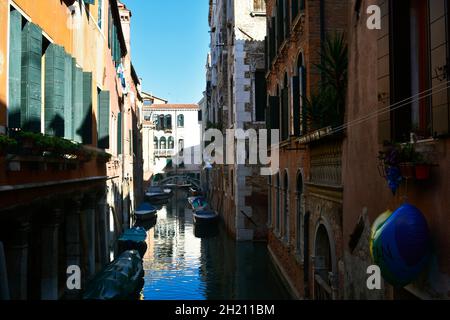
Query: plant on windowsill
[400, 162]
[326, 107]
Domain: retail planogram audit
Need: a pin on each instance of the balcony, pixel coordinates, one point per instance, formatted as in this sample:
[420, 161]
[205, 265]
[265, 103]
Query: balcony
[164, 153]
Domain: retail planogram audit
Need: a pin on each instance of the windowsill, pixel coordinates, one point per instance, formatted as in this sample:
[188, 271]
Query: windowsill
[258, 14]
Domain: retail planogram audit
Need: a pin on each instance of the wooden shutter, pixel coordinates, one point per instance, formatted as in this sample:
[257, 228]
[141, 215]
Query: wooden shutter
[439, 60]
[260, 95]
[275, 112]
[296, 104]
[68, 100]
[383, 79]
[87, 108]
[119, 133]
[31, 78]
[103, 120]
[302, 84]
[15, 63]
[77, 102]
[54, 90]
[285, 114]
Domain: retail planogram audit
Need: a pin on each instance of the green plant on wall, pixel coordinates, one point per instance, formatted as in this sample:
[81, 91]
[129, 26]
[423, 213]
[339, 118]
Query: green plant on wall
[326, 107]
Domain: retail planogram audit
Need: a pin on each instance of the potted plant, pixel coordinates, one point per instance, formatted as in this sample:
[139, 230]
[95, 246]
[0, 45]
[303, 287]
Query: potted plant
[408, 157]
[422, 168]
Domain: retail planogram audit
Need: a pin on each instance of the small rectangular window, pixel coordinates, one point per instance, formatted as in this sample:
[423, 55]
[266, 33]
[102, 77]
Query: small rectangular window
[259, 5]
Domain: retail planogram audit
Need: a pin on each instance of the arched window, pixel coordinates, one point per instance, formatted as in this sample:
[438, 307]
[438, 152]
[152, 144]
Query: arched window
[168, 122]
[160, 122]
[180, 121]
[277, 209]
[180, 147]
[299, 221]
[286, 207]
[322, 254]
[155, 143]
[162, 143]
[170, 143]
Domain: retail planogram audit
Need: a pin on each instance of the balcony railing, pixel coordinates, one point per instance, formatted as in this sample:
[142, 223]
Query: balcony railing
[164, 153]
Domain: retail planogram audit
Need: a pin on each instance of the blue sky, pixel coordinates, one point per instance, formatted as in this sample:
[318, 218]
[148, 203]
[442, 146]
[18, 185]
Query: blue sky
[169, 43]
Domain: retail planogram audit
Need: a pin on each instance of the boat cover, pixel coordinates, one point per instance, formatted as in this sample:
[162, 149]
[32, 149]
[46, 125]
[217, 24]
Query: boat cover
[121, 279]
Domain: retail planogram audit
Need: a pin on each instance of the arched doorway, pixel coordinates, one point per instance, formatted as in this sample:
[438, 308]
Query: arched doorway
[323, 265]
[299, 217]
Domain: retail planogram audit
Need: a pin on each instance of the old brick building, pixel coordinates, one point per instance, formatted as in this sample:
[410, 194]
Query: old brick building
[305, 196]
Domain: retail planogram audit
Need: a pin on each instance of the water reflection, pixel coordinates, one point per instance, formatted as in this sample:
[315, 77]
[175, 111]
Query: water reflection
[187, 262]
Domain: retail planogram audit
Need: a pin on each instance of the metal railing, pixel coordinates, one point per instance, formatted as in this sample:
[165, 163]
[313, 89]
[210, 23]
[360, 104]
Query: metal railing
[164, 152]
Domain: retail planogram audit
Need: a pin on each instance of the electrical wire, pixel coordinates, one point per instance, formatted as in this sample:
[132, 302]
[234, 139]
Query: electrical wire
[392, 107]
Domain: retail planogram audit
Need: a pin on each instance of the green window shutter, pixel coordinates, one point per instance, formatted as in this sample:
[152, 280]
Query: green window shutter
[68, 102]
[89, 1]
[31, 78]
[119, 133]
[103, 120]
[77, 102]
[87, 108]
[55, 63]
[15, 63]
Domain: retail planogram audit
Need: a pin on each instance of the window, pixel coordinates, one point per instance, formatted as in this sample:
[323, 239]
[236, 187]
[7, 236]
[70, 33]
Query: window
[25, 74]
[299, 96]
[167, 122]
[162, 143]
[155, 143]
[100, 13]
[180, 147]
[277, 209]
[160, 125]
[270, 209]
[103, 120]
[411, 74]
[180, 121]
[299, 222]
[259, 5]
[260, 95]
[171, 143]
[119, 133]
[286, 207]
[285, 115]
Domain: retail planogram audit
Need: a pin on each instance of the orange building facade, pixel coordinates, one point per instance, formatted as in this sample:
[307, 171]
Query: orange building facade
[69, 97]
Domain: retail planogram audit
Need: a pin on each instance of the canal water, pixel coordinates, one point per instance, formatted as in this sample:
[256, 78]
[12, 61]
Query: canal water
[185, 262]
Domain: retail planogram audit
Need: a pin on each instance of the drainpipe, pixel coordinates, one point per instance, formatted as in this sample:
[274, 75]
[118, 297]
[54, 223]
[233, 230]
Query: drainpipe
[4, 290]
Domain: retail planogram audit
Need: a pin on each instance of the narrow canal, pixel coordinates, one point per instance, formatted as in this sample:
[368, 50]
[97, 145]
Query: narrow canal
[185, 262]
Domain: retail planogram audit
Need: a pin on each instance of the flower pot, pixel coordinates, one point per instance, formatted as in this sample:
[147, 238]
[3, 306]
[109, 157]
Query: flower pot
[422, 171]
[407, 170]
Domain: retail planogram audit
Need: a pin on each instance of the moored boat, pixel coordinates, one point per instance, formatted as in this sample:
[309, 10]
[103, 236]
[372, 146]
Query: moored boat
[203, 216]
[145, 211]
[156, 193]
